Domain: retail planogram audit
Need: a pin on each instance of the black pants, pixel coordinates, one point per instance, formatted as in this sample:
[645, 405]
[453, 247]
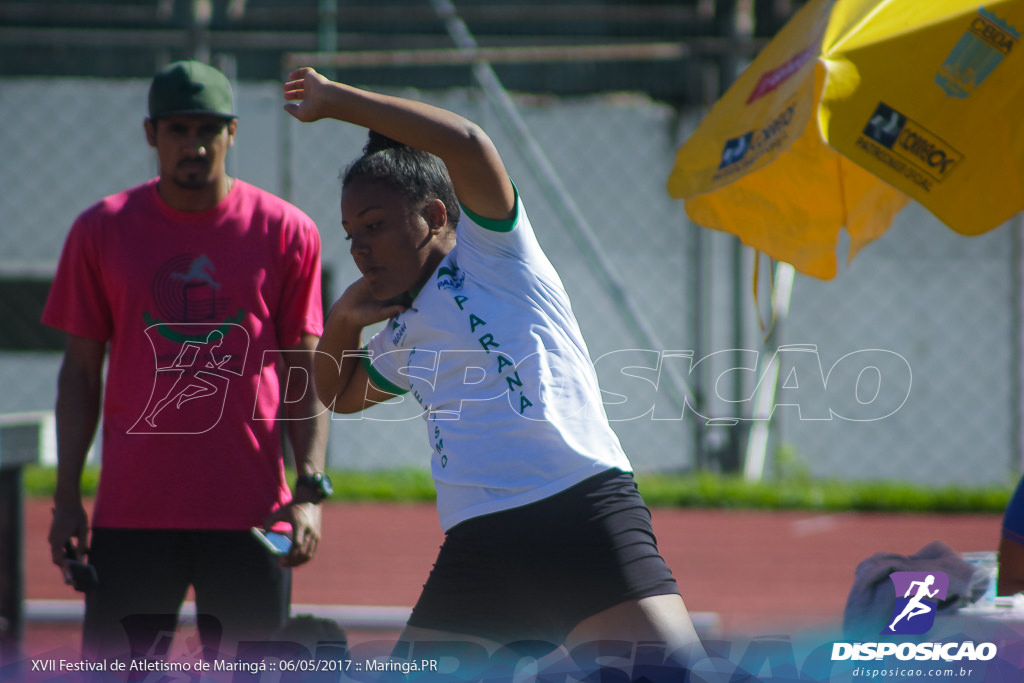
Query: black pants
[240, 591]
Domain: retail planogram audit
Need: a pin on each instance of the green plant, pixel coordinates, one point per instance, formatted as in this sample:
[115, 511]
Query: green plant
[700, 490]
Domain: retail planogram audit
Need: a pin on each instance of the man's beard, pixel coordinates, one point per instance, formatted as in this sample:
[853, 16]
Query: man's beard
[192, 180]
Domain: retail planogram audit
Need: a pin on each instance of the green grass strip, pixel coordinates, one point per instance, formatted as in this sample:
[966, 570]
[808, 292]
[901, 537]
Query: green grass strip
[664, 490]
[715, 491]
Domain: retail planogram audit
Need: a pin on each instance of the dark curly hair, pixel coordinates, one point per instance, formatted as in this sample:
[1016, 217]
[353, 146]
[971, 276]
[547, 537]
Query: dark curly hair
[417, 175]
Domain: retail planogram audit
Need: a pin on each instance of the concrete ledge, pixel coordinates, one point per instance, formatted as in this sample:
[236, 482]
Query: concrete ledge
[366, 617]
[352, 616]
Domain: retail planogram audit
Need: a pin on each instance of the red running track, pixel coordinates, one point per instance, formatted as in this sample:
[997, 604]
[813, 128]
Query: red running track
[761, 572]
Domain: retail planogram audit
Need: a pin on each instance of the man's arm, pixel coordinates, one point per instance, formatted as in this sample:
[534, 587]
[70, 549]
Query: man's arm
[306, 424]
[79, 390]
[306, 419]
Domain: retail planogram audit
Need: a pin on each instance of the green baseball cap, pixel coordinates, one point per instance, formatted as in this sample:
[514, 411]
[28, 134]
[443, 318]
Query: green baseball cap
[190, 87]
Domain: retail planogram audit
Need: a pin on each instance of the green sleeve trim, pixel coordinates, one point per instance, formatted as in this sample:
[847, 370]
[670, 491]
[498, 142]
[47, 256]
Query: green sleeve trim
[378, 379]
[496, 225]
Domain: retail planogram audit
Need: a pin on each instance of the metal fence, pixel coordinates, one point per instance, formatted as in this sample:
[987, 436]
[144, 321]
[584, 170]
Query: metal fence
[653, 293]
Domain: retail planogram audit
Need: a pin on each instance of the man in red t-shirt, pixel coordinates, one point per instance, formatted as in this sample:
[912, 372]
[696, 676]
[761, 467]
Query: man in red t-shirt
[207, 291]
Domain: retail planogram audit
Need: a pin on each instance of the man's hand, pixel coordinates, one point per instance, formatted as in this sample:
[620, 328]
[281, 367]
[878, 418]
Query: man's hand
[305, 521]
[70, 524]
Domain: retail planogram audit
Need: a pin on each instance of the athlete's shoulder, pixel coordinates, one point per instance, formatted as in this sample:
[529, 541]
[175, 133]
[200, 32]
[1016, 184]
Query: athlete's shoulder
[493, 225]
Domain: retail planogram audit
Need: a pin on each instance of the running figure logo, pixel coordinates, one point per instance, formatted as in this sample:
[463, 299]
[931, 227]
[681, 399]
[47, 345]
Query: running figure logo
[917, 598]
[197, 386]
[189, 392]
[199, 347]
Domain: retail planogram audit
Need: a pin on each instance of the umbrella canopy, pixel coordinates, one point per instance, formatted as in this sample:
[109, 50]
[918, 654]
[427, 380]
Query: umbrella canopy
[853, 109]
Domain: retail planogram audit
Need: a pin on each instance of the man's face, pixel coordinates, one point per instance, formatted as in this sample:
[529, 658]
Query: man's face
[191, 149]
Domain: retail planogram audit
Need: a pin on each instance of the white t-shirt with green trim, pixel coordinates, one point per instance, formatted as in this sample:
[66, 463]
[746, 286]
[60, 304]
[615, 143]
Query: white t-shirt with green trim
[492, 352]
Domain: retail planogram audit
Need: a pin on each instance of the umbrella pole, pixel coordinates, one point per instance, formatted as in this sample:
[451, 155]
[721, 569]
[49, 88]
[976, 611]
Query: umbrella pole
[764, 399]
[1017, 462]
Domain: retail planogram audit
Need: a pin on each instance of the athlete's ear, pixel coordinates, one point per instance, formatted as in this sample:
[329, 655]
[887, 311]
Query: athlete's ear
[436, 215]
[150, 127]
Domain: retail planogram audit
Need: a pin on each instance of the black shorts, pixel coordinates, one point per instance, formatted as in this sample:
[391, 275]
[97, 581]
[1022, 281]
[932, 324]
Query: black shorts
[240, 591]
[534, 572]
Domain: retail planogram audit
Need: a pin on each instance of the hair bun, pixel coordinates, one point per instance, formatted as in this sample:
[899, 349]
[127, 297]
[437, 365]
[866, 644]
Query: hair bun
[378, 142]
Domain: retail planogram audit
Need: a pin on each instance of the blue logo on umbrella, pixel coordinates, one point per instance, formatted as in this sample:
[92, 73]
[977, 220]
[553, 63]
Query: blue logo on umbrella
[735, 149]
[976, 55]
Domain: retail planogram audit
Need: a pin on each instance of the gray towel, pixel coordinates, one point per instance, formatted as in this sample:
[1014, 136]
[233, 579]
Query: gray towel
[871, 600]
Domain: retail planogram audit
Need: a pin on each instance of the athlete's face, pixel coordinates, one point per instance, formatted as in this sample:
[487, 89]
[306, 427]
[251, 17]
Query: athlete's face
[191, 149]
[396, 246]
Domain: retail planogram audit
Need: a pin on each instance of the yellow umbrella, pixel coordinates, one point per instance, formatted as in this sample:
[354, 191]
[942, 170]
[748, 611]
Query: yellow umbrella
[852, 109]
